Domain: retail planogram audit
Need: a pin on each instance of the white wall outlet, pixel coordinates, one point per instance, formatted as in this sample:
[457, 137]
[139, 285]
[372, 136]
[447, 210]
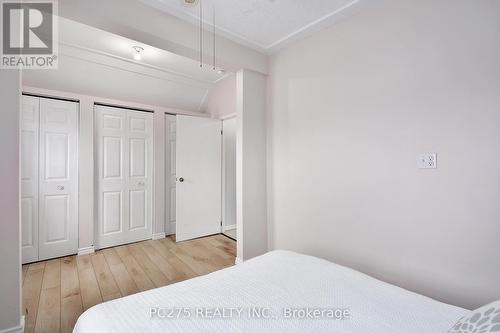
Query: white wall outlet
[427, 161]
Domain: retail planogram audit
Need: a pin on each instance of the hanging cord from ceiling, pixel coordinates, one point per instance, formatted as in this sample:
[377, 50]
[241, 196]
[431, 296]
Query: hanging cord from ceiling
[214, 49]
[201, 34]
[214, 64]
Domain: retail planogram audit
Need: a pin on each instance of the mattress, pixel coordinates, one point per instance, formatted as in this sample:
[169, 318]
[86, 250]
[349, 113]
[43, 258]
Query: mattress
[280, 291]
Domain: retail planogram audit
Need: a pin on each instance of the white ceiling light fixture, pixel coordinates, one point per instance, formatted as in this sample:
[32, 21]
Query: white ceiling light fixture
[137, 52]
[190, 3]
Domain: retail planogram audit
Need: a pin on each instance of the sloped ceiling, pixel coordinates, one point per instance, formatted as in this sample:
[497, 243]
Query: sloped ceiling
[96, 62]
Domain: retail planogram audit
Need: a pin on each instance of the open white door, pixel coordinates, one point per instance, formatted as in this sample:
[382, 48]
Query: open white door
[198, 167]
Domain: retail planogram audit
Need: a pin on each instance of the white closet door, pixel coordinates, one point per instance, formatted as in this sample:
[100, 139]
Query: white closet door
[58, 186]
[199, 161]
[124, 164]
[29, 177]
[170, 149]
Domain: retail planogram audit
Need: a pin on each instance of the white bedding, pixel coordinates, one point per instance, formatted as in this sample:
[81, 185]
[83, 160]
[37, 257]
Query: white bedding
[274, 282]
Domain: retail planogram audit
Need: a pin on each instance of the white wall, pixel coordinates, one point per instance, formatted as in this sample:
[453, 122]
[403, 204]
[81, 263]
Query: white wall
[229, 173]
[350, 109]
[10, 248]
[85, 169]
[221, 99]
[91, 73]
[159, 220]
[251, 209]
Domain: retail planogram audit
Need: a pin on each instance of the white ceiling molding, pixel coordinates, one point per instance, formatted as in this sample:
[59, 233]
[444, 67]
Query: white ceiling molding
[136, 21]
[261, 11]
[117, 62]
[105, 43]
[102, 63]
[160, 5]
[94, 73]
[321, 23]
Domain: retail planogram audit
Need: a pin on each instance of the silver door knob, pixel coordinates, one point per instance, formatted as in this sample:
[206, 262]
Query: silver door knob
[60, 187]
[141, 183]
[181, 179]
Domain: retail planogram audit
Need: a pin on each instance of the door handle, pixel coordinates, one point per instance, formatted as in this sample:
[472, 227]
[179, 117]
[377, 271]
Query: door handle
[141, 183]
[60, 187]
[181, 179]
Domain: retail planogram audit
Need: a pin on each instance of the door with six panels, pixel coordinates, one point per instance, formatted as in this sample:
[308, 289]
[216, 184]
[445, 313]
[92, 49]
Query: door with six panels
[124, 173]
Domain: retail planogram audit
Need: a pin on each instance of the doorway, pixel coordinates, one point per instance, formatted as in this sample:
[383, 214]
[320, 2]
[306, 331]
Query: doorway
[198, 175]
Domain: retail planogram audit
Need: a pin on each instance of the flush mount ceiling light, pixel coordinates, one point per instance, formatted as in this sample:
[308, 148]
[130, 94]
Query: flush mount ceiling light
[190, 3]
[137, 52]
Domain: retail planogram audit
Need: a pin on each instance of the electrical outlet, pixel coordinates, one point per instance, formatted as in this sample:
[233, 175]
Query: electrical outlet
[427, 161]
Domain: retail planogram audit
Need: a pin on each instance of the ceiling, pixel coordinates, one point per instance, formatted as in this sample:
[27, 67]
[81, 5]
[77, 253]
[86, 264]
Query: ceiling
[264, 25]
[79, 35]
[100, 63]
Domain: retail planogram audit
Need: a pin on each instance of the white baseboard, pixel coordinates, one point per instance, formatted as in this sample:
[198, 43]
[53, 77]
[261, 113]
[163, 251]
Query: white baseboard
[229, 227]
[16, 329]
[158, 235]
[86, 250]
[238, 261]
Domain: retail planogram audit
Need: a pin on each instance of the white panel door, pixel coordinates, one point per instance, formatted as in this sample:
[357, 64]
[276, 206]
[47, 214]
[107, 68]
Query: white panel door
[124, 170]
[170, 149]
[58, 185]
[198, 203]
[29, 177]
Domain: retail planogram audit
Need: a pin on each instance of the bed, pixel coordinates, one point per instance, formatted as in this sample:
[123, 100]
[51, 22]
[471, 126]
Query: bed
[280, 291]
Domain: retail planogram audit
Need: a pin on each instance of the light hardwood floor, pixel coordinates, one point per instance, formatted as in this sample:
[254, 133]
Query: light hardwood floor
[57, 291]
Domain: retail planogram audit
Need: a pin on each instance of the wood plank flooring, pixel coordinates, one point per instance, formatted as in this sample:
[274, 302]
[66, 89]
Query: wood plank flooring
[57, 291]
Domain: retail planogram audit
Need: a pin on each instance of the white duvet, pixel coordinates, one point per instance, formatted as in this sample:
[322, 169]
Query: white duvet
[285, 288]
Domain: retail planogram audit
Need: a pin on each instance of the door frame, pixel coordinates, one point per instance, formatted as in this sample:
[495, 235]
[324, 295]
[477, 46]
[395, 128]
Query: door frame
[96, 245]
[170, 228]
[224, 194]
